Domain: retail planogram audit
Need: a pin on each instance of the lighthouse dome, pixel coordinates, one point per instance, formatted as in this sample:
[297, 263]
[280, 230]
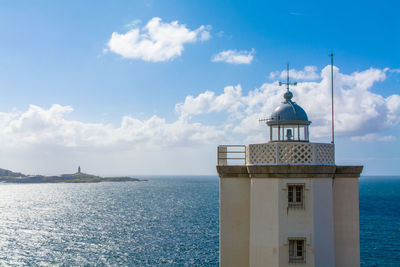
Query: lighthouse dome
[288, 113]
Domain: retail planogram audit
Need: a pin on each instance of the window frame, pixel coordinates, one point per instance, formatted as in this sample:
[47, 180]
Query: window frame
[294, 244]
[295, 199]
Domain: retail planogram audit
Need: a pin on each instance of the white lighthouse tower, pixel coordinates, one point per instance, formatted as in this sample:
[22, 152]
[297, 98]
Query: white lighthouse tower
[288, 203]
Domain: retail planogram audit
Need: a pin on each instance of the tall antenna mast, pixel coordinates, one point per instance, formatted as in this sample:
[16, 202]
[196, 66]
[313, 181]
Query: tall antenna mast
[332, 95]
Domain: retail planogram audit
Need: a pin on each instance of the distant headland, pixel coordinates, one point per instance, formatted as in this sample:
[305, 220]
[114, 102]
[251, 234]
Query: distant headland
[7, 176]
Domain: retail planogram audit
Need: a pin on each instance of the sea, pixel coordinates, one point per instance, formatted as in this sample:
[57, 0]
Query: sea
[165, 221]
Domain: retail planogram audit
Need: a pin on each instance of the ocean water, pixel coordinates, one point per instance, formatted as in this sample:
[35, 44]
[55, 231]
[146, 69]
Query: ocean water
[380, 221]
[164, 221]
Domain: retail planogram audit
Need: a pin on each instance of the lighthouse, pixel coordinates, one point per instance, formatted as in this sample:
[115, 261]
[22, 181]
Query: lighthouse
[286, 202]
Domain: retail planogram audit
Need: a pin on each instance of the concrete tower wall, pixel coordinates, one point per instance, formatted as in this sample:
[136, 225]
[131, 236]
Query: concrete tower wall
[264, 222]
[296, 222]
[324, 236]
[346, 220]
[234, 221]
[256, 222]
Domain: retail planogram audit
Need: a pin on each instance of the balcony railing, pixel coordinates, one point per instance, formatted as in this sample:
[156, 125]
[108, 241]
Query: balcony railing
[231, 155]
[277, 153]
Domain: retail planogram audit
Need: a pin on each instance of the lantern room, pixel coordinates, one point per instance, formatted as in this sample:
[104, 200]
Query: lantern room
[289, 121]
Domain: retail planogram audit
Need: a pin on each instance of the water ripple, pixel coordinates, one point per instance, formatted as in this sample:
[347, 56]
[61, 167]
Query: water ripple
[159, 222]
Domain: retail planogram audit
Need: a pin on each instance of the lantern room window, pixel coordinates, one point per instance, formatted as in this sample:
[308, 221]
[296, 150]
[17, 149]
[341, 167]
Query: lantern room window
[287, 133]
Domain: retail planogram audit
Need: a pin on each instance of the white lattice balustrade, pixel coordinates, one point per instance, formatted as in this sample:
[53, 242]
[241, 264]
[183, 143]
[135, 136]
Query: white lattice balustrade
[300, 153]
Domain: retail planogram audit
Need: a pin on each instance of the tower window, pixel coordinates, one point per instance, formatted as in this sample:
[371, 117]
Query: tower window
[297, 252]
[295, 196]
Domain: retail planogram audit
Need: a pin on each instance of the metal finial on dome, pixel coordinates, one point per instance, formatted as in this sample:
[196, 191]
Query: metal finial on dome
[288, 95]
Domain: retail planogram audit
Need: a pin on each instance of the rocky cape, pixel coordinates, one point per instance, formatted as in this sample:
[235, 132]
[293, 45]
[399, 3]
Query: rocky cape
[7, 176]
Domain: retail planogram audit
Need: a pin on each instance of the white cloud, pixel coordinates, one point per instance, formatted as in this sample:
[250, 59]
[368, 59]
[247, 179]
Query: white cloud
[374, 137]
[207, 102]
[359, 111]
[45, 141]
[133, 24]
[156, 41]
[39, 126]
[360, 114]
[308, 73]
[393, 105]
[395, 70]
[49, 141]
[234, 57]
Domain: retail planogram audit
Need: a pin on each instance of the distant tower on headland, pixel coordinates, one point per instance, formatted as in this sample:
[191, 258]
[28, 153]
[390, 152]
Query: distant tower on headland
[288, 203]
[79, 169]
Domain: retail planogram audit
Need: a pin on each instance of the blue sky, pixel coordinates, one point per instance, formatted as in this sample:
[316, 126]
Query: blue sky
[58, 57]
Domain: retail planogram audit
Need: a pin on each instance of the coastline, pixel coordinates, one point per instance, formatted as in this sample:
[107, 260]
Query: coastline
[7, 176]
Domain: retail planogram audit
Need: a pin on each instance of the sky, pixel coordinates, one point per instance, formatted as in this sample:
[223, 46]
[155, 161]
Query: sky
[153, 87]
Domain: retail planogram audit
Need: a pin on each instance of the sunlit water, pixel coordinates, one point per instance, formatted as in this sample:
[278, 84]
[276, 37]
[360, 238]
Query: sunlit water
[164, 221]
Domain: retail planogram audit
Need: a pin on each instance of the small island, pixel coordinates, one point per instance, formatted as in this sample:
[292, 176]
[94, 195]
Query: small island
[7, 176]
